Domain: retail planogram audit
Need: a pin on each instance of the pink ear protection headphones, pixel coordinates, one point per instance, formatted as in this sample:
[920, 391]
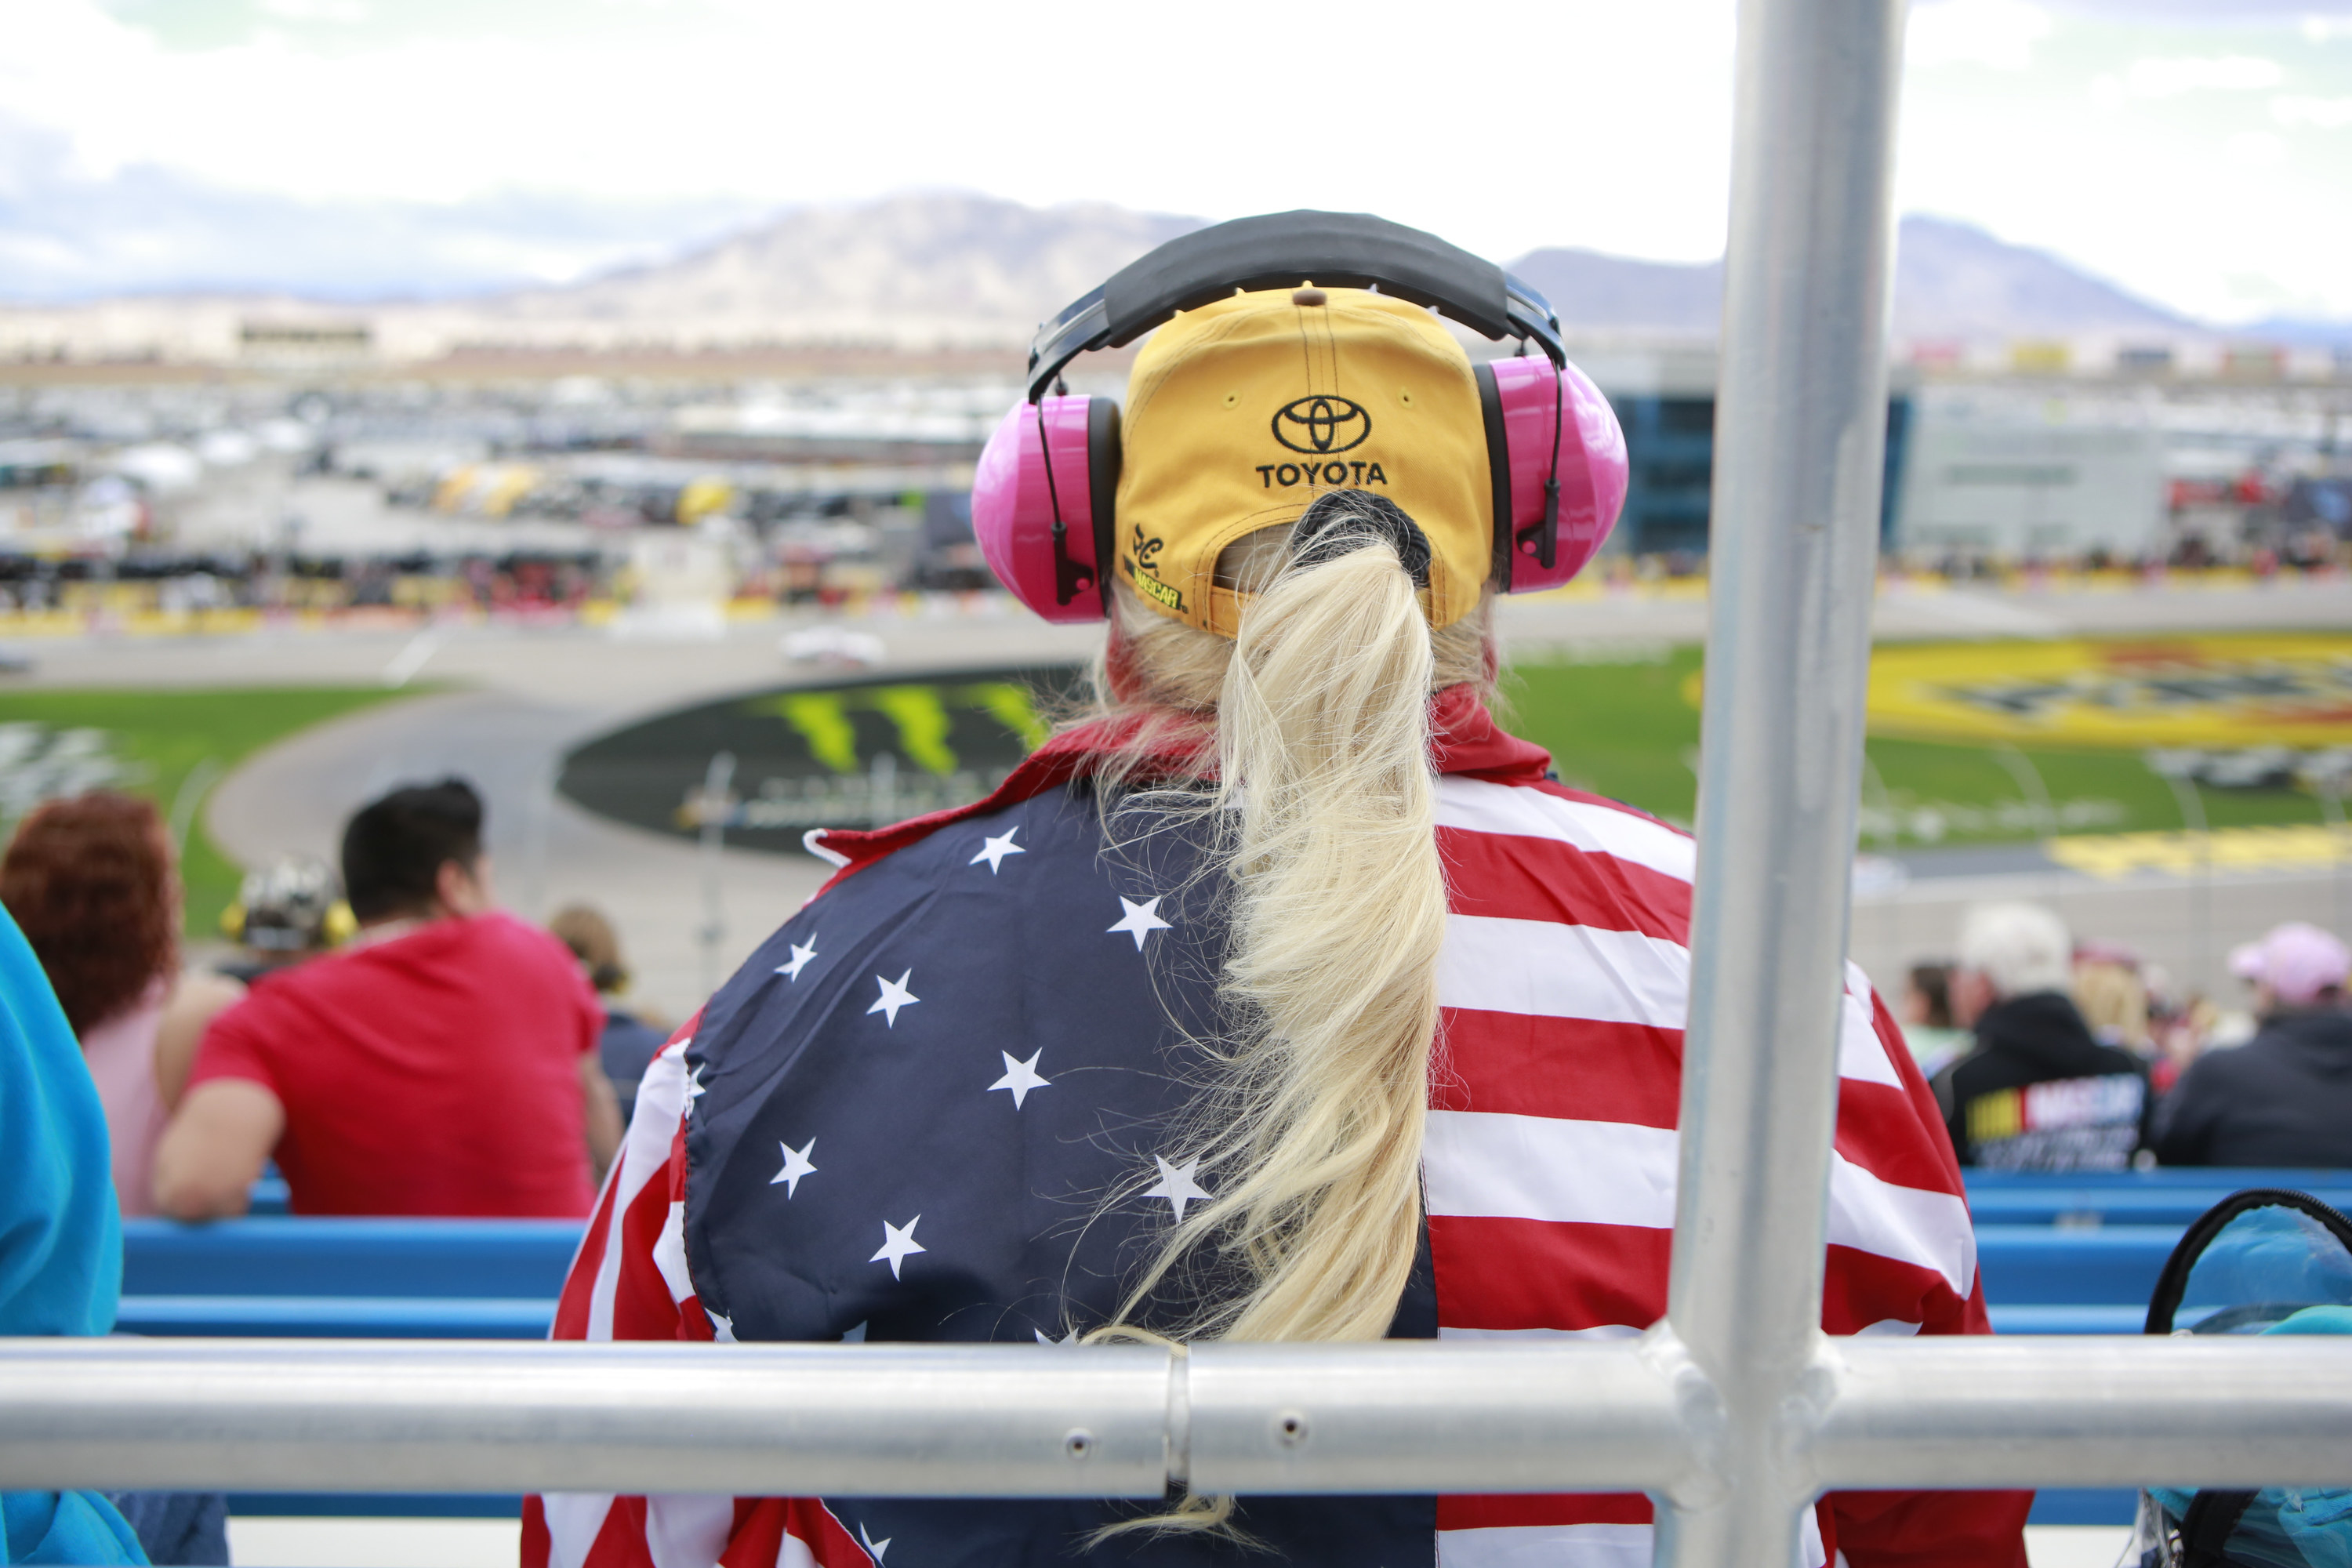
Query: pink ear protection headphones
[1047, 484]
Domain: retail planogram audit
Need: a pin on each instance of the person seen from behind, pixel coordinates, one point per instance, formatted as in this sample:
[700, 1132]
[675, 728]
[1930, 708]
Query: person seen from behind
[2037, 1092]
[2283, 1098]
[2110, 991]
[1149, 1040]
[1928, 1026]
[444, 1063]
[60, 1238]
[95, 887]
[629, 1041]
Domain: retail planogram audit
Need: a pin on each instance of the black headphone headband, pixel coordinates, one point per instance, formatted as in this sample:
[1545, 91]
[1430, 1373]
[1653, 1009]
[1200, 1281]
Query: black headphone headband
[1276, 250]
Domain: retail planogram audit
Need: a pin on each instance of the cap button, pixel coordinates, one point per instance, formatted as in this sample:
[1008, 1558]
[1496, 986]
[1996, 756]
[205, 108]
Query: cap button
[1310, 297]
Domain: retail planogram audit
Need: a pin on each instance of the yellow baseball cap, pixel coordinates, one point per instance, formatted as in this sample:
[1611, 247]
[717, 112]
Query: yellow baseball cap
[1241, 413]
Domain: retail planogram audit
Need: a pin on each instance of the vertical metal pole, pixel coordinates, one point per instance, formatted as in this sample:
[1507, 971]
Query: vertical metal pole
[539, 806]
[2030, 785]
[1800, 421]
[2028, 779]
[1890, 840]
[1882, 802]
[2329, 788]
[2200, 891]
[189, 799]
[716, 803]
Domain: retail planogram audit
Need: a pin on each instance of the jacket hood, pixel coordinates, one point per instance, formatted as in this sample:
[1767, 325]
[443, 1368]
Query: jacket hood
[2043, 1028]
[2318, 1038]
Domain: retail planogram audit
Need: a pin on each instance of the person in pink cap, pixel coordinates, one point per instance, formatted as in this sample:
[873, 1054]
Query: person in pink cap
[2283, 1098]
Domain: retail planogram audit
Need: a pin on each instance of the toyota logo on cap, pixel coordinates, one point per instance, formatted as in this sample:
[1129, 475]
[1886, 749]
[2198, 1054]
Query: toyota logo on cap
[1321, 424]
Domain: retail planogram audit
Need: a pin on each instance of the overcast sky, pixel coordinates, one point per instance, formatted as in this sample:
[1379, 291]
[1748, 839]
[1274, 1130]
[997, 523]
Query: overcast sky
[2197, 153]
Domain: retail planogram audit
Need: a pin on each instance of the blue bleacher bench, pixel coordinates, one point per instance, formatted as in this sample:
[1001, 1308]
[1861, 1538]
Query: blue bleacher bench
[2168, 1196]
[2074, 1254]
[345, 1279]
[498, 1278]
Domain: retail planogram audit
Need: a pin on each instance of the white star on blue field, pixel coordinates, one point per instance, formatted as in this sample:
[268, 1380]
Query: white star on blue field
[1020, 1076]
[796, 1166]
[893, 997]
[1139, 920]
[898, 1244]
[1177, 1185]
[994, 851]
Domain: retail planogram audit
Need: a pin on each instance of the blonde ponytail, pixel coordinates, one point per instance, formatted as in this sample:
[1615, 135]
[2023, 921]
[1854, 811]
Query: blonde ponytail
[1310, 1139]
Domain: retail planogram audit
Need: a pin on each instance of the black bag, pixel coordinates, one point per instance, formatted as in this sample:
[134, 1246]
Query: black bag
[2258, 1262]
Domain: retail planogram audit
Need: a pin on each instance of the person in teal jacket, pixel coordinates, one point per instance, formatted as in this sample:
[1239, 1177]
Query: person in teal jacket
[60, 1235]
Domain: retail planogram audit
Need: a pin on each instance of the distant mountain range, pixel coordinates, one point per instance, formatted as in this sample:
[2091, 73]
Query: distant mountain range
[1952, 280]
[946, 268]
[957, 270]
[966, 271]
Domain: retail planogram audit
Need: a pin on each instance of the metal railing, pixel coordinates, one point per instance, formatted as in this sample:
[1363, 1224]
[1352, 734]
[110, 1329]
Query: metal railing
[1129, 1421]
[1733, 1413]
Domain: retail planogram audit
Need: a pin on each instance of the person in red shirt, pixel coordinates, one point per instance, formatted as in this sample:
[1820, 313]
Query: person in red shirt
[443, 1064]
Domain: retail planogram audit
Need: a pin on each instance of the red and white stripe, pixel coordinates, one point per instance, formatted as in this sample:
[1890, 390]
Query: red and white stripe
[629, 1281]
[1550, 1157]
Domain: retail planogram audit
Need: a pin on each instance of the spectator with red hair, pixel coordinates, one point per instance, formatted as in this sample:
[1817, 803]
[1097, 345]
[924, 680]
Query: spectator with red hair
[93, 883]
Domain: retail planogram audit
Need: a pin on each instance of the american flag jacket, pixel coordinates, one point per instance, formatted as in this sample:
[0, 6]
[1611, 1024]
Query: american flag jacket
[936, 1105]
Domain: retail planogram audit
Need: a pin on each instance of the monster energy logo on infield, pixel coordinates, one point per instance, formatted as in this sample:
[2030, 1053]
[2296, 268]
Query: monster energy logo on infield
[854, 753]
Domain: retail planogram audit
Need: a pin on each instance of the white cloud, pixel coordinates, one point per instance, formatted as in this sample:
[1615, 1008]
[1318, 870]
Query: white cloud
[2325, 113]
[345, 11]
[2168, 77]
[1608, 125]
[1996, 33]
[2114, 181]
[2255, 147]
[1241, 108]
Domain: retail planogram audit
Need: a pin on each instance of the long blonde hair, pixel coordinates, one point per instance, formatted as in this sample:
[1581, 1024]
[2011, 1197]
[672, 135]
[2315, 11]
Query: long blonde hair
[1324, 808]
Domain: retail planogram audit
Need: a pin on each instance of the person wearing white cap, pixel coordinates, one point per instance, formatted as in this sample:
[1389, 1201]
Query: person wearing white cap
[2039, 1091]
[2283, 1098]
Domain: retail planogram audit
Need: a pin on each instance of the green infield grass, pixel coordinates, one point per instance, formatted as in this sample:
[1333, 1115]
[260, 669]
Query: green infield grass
[1628, 731]
[157, 744]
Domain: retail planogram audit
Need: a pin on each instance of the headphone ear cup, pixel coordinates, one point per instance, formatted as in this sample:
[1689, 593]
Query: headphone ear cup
[1037, 468]
[1104, 455]
[1528, 398]
[1498, 470]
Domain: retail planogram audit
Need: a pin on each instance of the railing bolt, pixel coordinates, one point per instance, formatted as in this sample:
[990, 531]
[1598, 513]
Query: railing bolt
[1291, 1427]
[1079, 1443]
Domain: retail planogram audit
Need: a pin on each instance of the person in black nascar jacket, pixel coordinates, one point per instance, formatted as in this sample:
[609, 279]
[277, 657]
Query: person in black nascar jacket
[2038, 1092]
